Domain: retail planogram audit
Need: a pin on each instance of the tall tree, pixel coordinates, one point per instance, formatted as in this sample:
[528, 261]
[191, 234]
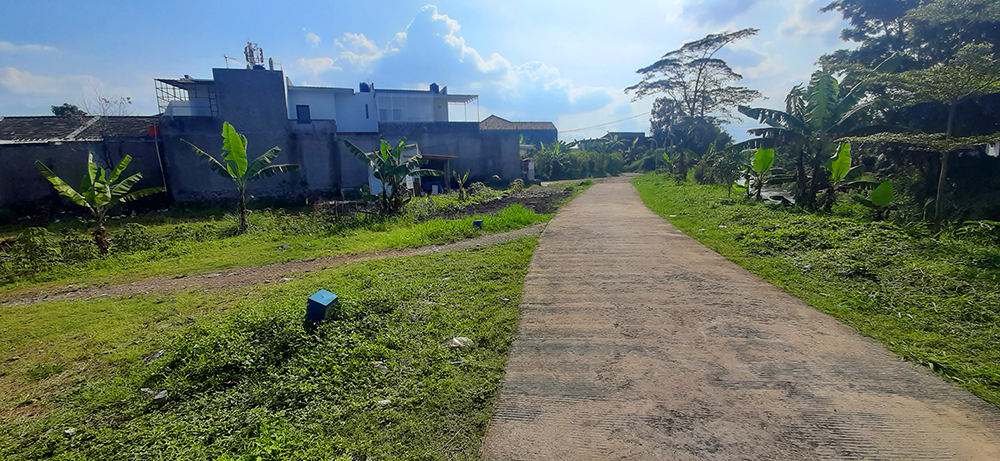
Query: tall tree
[927, 31]
[697, 81]
[972, 72]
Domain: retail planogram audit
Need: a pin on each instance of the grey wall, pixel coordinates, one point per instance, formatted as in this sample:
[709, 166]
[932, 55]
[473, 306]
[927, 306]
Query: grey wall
[483, 154]
[23, 189]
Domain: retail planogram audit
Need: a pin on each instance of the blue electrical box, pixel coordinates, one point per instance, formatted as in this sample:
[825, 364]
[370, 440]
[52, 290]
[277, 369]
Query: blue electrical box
[318, 304]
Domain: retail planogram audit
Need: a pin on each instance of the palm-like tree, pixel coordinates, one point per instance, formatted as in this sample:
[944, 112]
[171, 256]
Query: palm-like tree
[814, 117]
[389, 167]
[234, 165]
[99, 192]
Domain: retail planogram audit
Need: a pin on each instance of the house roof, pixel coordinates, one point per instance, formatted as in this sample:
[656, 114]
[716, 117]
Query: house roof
[50, 128]
[494, 123]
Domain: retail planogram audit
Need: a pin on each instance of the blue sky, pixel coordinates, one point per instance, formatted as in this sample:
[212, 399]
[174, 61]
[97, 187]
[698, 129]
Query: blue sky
[563, 61]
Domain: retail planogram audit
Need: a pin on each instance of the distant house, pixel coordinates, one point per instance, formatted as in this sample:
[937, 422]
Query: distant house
[62, 143]
[530, 132]
[308, 123]
[628, 137]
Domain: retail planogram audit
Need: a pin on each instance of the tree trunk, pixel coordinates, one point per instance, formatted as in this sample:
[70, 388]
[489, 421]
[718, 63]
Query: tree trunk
[814, 187]
[101, 239]
[800, 180]
[243, 212]
[943, 177]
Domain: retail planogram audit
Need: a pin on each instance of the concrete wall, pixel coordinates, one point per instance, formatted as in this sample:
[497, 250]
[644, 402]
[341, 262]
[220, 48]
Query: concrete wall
[354, 116]
[23, 189]
[482, 154]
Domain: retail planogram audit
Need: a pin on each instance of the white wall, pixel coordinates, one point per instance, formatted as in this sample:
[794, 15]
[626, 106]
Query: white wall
[322, 102]
[341, 104]
[353, 115]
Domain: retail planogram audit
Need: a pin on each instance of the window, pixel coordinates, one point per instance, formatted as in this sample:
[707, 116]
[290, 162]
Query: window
[397, 114]
[383, 115]
[302, 114]
[366, 111]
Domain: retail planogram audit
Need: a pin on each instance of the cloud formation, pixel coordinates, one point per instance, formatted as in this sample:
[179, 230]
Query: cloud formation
[31, 48]
[432, 49]
[716, 12]
[24, 82]
[312, 39]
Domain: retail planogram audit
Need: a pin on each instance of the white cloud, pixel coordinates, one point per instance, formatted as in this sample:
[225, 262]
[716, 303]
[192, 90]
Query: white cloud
[807, 23]
[24, 82]
[312, 39]
[10, 47]
[318, 65]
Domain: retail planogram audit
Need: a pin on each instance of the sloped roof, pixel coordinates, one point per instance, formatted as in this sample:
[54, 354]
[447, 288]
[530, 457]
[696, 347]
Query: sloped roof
[494, 123]
[50, 128]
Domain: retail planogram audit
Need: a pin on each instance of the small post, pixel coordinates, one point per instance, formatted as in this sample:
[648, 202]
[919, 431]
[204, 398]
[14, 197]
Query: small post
[318, 305]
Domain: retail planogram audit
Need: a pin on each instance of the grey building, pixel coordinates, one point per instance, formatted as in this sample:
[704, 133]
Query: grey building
[309, 124]
[529, 132]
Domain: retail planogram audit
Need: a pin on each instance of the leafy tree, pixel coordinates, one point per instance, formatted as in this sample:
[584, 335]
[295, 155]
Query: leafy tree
[389, 167]
[698, 94]
[928, 32]
[697, 81]
[67, 110]
[234, 165]
[972, 72]
[99, 192]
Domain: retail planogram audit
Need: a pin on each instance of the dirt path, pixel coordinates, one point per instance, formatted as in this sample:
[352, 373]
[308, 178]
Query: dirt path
[245, 276]
[637, 342]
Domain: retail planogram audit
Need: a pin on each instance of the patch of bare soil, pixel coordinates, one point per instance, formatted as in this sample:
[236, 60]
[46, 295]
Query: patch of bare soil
[541, 200]
[272, 273]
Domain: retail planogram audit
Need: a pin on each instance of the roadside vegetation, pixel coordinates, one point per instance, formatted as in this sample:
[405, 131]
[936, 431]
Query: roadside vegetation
[932, 297]
[158, 245]
[227, 375]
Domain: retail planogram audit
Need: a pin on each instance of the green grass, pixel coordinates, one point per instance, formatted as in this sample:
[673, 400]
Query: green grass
[933, 299]
[183, 249]
[247, 380]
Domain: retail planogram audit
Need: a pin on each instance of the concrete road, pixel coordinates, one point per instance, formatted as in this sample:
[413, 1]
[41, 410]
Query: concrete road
[637, 342]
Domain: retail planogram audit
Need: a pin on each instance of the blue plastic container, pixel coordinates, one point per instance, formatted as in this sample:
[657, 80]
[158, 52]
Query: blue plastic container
[477, 223]
[317, 305]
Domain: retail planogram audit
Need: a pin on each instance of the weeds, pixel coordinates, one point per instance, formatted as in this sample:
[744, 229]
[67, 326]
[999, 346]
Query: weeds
[932, 298]
[252, 383]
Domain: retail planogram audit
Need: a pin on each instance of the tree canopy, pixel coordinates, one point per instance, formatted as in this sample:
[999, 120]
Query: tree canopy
[698, 83]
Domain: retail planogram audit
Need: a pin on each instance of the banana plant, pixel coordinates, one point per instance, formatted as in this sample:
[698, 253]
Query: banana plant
[755, 173]
[389, 167]
[234, 165]
[99, 192]
[461, 179]
[880, 201]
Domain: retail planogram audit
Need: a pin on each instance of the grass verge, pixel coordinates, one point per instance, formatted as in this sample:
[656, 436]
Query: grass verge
[184, 249]
[245, 379]
[933, 299]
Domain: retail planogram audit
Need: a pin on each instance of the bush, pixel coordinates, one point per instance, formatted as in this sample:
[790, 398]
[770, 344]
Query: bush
[517, 185]
[134, 237]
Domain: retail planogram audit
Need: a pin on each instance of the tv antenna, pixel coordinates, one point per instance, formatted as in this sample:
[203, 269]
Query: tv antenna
[228, 58]
[254, 54]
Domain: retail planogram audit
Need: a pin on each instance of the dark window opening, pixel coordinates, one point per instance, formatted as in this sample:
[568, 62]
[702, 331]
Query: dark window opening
[366, 111]
[302, 114]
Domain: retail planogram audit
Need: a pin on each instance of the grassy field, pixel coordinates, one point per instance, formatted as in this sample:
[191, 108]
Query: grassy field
[173, 248]
[245, 379]
[932, 298]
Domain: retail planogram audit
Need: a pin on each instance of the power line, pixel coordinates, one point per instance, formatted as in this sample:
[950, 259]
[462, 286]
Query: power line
[604, 124]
